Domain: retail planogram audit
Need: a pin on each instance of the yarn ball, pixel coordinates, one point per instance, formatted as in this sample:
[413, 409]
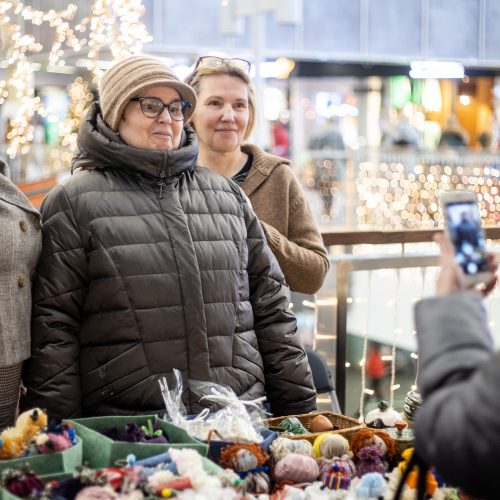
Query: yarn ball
[330, 445]
[283, 446]
[371, 485]
[293, 425]
[258, 483]
[296, 469]
[320, 423]
[370, 461]
[336, 478]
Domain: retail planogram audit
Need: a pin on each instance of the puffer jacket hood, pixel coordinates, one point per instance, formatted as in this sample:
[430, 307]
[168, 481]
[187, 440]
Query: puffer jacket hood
[101, 147]
[150, 263]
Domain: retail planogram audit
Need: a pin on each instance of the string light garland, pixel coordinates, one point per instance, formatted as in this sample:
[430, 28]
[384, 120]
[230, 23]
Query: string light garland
[113, 28]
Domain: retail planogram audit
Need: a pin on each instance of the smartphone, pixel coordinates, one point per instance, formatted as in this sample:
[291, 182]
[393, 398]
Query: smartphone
[464, 228]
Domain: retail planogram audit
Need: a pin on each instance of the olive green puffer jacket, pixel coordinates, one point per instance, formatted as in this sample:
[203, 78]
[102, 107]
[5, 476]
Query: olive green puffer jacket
[150, 264]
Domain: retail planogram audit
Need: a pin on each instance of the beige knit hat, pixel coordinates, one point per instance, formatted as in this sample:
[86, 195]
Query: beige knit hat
[127, 78]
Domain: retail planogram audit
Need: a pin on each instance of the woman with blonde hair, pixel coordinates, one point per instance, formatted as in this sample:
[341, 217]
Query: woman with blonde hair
[224, 119]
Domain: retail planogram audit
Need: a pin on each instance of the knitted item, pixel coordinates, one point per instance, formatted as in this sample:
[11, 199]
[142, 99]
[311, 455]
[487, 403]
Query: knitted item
[336, 478]
[129, 77]
[370, 461]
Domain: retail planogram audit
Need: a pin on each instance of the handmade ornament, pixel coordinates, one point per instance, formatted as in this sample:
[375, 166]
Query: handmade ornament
[293, 425]
[257, 483]
[296, 469]
[242, 457]
[283, 446]
[344, 462]
[22, 483]
[336, 478]
[366, 437]
[412, 403]
[320, 423]
[370, 460]
[381, 417]
[52, 443]
[134, 434]
[97, 493]
[404, 436]
[15, 440]
[330, 445]
[371, 485]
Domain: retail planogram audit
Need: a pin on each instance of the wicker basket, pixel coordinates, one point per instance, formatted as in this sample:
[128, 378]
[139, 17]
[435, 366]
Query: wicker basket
[346, 426]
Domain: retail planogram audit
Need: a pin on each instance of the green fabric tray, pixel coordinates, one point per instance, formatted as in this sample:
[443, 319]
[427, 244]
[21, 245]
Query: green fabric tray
[49, 463]
[101, 451]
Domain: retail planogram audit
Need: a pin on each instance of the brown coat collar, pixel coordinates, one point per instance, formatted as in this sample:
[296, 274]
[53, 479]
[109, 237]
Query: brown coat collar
[262, 166]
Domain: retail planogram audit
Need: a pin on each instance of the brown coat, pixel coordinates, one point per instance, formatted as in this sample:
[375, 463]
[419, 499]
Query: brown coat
[21, 242]
[280, 204]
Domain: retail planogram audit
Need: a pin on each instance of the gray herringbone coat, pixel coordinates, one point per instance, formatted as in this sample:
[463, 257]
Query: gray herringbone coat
[20, 247]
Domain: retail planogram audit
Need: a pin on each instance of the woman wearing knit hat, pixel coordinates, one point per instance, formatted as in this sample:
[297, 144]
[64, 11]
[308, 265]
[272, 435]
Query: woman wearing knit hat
[150, 263]
[224, 119]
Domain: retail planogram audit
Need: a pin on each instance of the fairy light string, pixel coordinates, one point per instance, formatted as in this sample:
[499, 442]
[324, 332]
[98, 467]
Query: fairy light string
[113, 28]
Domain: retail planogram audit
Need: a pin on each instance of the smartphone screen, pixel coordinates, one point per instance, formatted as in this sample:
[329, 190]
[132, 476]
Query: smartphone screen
[464, 227]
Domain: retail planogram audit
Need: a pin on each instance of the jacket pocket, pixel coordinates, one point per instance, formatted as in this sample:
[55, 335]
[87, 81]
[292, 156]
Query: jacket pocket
[246, 355]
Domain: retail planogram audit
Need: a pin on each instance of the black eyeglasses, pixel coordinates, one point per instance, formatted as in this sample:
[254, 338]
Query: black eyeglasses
[216, 62]
[152, 107]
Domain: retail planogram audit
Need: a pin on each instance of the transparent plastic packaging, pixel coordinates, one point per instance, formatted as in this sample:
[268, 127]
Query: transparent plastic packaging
[233, 419]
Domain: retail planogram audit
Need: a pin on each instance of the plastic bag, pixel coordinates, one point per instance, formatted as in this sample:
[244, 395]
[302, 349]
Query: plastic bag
[235, 420]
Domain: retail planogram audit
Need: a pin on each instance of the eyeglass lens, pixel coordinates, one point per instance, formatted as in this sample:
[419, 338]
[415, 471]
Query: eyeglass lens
[153, 107]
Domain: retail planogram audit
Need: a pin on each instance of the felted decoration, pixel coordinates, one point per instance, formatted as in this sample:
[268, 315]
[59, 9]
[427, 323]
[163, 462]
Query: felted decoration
[381, 417]
[292, 425]
[242, 457]
[430, 482]
[51, 443]
[282, 446]
[320, 423]
[15, 440]
[345, 463]
[257, 483]
[369, 460]
[296, 469]
[133, 434]
[371, 485]
[22, 483]
[336, 478]
[330, 445]
[367, 437]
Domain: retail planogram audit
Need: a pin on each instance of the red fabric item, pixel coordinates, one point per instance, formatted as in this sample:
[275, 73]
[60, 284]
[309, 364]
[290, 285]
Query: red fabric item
[375, 367]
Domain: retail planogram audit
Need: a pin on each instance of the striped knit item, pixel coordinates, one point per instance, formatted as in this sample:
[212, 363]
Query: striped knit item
[10, 380]
[336, 478]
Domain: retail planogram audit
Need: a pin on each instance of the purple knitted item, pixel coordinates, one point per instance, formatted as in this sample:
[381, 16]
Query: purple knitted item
[369, 461]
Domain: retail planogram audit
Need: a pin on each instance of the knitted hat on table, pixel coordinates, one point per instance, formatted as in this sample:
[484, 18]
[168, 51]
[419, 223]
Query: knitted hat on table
[127, 78]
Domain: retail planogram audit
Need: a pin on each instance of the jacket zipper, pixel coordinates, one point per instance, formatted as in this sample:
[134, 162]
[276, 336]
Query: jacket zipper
[161, 182]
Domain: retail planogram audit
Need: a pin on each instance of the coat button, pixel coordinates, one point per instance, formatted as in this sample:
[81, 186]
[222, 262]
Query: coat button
[38, 223]
[33, 274]
[21, 281]
[23, 225]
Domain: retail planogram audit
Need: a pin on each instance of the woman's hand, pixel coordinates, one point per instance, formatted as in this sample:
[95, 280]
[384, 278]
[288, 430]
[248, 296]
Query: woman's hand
[451, 277]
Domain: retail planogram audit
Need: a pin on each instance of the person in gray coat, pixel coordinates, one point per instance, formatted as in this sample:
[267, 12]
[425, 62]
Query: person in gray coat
[21, 243]
[151, 263]
[458, 426]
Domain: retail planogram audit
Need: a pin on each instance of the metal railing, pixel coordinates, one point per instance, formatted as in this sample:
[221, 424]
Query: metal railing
[332, 301]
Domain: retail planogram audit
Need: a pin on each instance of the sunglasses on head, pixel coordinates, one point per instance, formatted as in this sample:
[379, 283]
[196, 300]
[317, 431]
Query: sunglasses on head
[215, 62]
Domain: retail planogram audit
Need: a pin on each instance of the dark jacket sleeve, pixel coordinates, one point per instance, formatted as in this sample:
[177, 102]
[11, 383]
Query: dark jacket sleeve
[51, 375]
[458, 426]
[288, 378]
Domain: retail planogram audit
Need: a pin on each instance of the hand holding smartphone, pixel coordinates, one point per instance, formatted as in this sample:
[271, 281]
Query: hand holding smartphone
[464, 229]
